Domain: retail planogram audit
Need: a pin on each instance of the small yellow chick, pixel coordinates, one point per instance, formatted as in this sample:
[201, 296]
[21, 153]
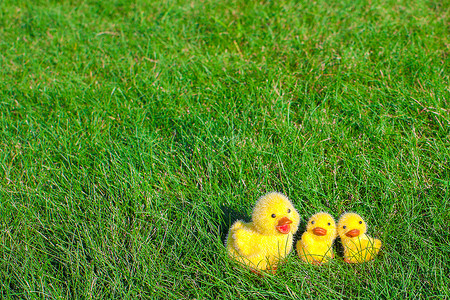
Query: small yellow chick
[268, 238]
[358, 247]
[316, 243]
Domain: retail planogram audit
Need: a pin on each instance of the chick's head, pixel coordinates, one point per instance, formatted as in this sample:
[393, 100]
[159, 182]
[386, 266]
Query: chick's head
[274, 214]
[351, 225]
[322, 225]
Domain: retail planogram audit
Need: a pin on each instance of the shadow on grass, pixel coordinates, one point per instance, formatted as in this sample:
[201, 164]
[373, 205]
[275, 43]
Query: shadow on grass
[229, 216]
[339, 247]
[300, 231]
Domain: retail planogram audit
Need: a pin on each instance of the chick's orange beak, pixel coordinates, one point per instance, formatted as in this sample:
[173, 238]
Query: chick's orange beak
[319, 231]
[283, 225]
[352, 233]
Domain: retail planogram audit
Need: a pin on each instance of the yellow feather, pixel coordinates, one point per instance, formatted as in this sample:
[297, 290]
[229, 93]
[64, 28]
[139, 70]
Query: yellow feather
[259, 244]
[358, 246]
[316, 244]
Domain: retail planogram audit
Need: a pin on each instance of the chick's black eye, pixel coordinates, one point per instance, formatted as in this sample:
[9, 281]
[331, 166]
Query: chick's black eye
[289, 210]
[329, 224]
[273, 215]
[312, 222]
[344, 227]
[360, 222]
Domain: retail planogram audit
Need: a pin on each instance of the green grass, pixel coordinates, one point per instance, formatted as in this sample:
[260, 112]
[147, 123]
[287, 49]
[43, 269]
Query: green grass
[133, 133]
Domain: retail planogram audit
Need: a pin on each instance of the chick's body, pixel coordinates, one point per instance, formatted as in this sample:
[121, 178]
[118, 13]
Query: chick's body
[358, 246]
[263, 242]
[316, 243]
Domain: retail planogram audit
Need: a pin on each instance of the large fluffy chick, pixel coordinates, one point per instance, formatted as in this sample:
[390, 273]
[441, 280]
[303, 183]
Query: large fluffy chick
[268, 238]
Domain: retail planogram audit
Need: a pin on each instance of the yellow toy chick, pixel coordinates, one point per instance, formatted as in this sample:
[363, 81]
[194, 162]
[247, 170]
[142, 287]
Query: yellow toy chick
[268, 238]
[358, 247]
[316, 243]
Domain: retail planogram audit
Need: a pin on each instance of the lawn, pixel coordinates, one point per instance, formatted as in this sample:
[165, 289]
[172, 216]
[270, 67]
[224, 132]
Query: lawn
[134, 133]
